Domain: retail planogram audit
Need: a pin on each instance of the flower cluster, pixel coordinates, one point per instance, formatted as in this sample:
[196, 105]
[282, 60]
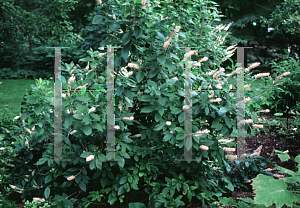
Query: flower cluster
[128, 118]
[247, 86]
[218, 72]
[258, 126]
[185, 107]
[252, 66]
[215, 100]
[219, 86]
[199, 132]
[262, 75]
[245, 121]
[167, 43]
[234, 71]
[89, 158]
[101, 54]
[282, 75]
[267, 111]
[70, 178]
[92, 109]
[132, 65]
[203, 147]
[72, 79]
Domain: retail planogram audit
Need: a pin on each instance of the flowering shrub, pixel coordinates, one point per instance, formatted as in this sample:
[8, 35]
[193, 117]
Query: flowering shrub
[149, 120]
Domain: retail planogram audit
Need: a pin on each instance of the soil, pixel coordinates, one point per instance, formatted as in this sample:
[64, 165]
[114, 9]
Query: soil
[252, 143]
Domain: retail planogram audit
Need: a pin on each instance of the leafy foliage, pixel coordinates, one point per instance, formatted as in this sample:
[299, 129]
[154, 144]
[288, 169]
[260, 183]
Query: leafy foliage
[286, 94]
[149, 85]
[269, 190]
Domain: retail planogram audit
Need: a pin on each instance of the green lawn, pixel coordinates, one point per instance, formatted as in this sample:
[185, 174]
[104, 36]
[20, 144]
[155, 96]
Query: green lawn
[12, 92]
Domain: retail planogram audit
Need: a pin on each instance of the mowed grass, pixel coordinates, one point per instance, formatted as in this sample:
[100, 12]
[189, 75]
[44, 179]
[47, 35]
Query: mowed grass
[12, 92]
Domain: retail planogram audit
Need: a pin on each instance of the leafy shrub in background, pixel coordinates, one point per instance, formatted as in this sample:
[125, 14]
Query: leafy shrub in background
[5, 118]
[286, 93]
[7, 73]
[7, 160]
[150, 92]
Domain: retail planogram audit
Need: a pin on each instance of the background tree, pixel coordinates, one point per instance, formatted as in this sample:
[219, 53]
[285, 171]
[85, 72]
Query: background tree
[28, 24]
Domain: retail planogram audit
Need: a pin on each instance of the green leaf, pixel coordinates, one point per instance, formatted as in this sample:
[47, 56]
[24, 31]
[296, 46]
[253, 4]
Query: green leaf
[257, 99]
[123, 180]
[103, 181]
[208, 143]
[167, 137]
[206, 110]
[203, 96]
[161, 110]
[41, 161]
[161, 59]
[92, 165]
[162, 100]
[145, 98]
[139, 76]
[85, 154]
[269, 190]
[87, 59]
[176, 110]
[170, 65]
[128, 102]
[124, 52]
[137, 32]
[87, 130]
[97, 126]
[114, 27]
[47, 192]
[157, 117]
[219, 127]
[82, 186]
[152, 73]
[97, 19]
[83, 98]
[228, 122]
[223, 110]
[215, 123]
[128, 94]
[161, 36]
[48, 178]
[68, 120]
[159, 126]
[98, 164]
[152, 84]
[136, 205]
[180, 136]
[32, 99]
[126, 37]
[127, 139]
[174, 56]
[230, 186]
[121, 163]
[37, 109]
[189, 195]
[148, 109]
[181, 117]
[121, 190]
